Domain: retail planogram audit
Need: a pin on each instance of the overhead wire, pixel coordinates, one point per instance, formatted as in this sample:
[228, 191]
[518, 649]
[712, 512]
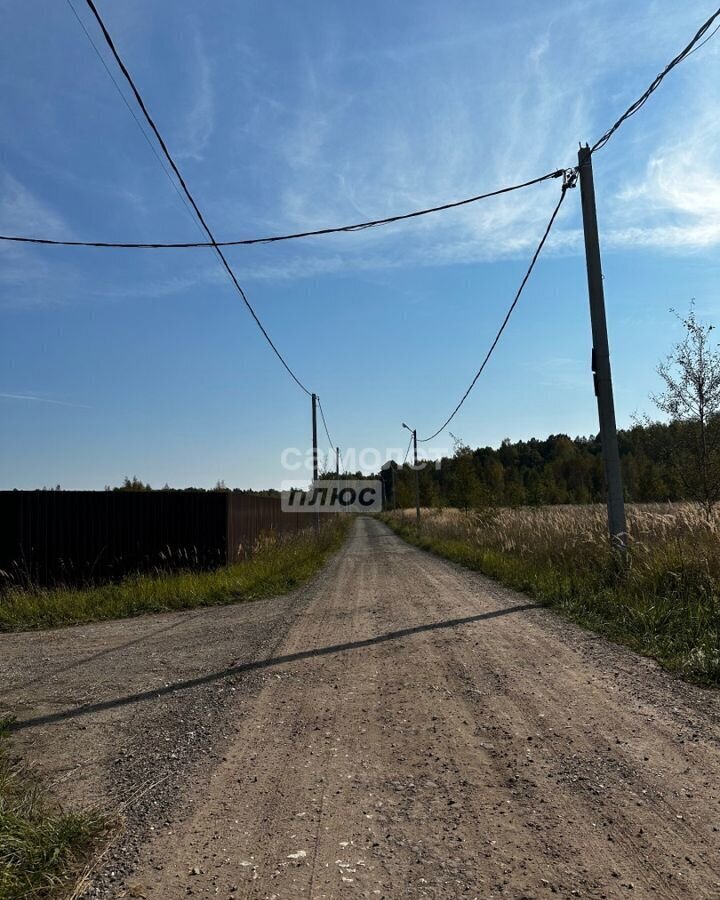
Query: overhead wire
[272, 239]
[134, 115]
[408, 449]
[322, 416]
[221, 256]
[700, 39]
[644, 97]
[568, 182]
[702, 43]
[695, 44]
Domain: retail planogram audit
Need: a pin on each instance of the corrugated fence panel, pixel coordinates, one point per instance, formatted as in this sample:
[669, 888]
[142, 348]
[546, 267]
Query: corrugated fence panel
[251, 516]
[76, 536]
[50, 537]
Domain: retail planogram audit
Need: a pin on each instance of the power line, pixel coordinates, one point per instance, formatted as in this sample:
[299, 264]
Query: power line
[133, 114]
[695, 44]
[702, 43]
[568, 182]
[189, 196]
[642, 100]
[408, 449]
[359, 226]
[322, 416]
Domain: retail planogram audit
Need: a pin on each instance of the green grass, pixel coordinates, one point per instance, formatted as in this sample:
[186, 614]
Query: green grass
[275, 568]
[663, 602]
[42, 848]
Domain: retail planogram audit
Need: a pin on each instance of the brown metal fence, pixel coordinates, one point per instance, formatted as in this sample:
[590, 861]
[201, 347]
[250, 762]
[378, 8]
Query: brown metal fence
[73, 537]
[250, 516]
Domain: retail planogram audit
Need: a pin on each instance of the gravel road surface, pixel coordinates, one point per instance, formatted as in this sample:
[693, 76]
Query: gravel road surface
[397, 728]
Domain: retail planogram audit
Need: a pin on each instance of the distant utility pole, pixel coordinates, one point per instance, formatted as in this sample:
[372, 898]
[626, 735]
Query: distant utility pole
[315, 456]
[601, 355]
[394, 487]
[413, 431]
[337, 463]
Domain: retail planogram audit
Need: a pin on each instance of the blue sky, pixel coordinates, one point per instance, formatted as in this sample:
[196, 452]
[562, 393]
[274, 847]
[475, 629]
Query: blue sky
[292, 116]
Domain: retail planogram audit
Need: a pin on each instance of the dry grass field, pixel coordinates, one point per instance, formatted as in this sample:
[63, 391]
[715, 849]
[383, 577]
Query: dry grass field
[664, 600]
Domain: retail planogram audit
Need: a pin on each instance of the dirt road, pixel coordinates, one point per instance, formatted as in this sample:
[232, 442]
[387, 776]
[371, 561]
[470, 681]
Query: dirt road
[399, 728]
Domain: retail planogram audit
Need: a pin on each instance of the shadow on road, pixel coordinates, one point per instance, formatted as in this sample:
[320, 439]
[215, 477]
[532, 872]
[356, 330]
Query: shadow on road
[258, 665]
[116, 648]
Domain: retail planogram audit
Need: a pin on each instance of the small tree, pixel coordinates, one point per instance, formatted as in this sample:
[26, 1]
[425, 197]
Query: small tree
[691, 399]
[465, 488]
[133, 484]
[405, 486]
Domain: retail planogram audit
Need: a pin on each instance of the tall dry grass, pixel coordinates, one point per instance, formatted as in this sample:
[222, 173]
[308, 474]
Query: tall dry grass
[276, 566]
[663, 600]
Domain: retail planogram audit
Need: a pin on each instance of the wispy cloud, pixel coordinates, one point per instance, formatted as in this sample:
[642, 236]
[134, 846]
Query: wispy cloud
[36, 398]
[29, 279]
[419, 143]
[22, 212]
[425, 115]
[199, 121]
[674, 204]
[421, 135]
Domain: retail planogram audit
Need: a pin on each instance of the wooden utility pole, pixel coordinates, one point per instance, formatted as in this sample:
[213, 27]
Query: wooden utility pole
[315, 457]
[337, 462]
[601, 355]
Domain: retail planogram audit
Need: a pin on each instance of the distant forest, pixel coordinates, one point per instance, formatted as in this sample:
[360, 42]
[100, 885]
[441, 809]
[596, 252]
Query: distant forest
[559, 469]
[556, 470]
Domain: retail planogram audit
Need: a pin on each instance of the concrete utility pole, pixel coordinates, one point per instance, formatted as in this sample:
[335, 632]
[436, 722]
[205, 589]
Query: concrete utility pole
[413, 431]
[337, 465]
[601, 355]
[315, 456]
[417, 481]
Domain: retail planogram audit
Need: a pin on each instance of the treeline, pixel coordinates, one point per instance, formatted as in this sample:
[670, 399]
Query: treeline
[136, 484]
[556, 470]
[658, 464]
